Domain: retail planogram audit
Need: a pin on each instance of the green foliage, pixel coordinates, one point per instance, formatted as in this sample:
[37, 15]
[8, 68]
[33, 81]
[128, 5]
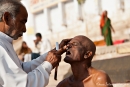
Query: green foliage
[81, 1]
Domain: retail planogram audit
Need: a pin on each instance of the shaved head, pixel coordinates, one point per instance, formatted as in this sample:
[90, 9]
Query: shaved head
[80, 49]
[87, 43]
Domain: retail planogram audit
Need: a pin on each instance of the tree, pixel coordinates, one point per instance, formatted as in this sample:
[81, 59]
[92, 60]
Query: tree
[81, 1]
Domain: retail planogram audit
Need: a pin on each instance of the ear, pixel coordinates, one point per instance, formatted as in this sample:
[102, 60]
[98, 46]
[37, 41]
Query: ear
[7, 18]
[88, 54]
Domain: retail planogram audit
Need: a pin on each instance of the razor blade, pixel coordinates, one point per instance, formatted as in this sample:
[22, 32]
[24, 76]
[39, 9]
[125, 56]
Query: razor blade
[57, 46]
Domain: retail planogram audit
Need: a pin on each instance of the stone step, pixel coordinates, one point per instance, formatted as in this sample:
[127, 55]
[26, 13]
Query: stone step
[121, 48]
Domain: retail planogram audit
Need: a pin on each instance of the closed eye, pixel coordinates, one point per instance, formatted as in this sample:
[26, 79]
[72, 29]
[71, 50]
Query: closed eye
[75, 44]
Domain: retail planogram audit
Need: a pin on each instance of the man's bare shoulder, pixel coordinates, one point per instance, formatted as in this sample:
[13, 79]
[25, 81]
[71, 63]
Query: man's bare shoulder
[101, 74]
[102, 78]
[63, 83]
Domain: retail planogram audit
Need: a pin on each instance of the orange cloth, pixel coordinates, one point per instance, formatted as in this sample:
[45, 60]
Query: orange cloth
[102, 21]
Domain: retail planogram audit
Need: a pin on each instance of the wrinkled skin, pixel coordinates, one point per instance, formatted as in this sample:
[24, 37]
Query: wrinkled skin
[14, 26]
[78, 56]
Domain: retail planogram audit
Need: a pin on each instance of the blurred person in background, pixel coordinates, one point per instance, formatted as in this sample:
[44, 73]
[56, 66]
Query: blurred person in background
[41, 45]
[24, 50]
[106, 27]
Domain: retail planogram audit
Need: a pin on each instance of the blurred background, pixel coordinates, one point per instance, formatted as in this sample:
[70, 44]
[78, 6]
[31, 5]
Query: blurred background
[60, 19]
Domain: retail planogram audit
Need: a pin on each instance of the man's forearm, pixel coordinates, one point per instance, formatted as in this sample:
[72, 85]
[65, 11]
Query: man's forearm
[39, 77]
[31, 65]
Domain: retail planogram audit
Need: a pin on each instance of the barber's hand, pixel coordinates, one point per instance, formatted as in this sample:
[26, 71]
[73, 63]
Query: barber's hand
[63, 44]
[53, 57]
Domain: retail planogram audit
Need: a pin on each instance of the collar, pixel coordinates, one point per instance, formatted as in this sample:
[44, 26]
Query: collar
[4, 36]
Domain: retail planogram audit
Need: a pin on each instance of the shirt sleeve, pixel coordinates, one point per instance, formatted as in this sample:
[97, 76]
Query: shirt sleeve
[31, 65]
[32, 74]
[13, 76]
[39, 77]
[38, 71]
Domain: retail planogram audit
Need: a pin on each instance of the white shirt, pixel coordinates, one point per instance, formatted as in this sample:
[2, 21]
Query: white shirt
[14, 73]
[43, 46]
[27, 57]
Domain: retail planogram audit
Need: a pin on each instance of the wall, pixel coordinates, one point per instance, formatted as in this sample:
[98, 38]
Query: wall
[120, 19]
[91, 12]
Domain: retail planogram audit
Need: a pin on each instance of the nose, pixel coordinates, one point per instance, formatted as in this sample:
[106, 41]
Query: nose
[24, 29]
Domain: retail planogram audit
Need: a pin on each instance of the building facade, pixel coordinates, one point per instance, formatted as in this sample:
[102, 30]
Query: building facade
[59, 19]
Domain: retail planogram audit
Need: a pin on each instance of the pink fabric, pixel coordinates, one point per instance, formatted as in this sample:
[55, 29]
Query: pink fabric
[118, 42]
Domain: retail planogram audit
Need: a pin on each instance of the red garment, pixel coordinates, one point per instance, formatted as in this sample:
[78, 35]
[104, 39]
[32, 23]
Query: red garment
[102, 21]
[118, 42]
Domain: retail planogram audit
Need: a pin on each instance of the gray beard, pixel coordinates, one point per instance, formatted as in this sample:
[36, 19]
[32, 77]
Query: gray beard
[10, 32]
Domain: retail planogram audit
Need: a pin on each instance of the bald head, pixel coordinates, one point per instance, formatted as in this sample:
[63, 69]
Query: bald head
[87, 43]
[80, 49]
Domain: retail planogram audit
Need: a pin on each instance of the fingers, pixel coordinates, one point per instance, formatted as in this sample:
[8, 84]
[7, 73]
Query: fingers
[65, 42]
[53, 57]
[65, 47]
[59, 58]
[62, 50]
[53, 50]
[57, 52]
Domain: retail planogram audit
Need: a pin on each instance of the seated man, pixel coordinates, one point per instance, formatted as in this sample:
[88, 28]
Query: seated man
[79, 55]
